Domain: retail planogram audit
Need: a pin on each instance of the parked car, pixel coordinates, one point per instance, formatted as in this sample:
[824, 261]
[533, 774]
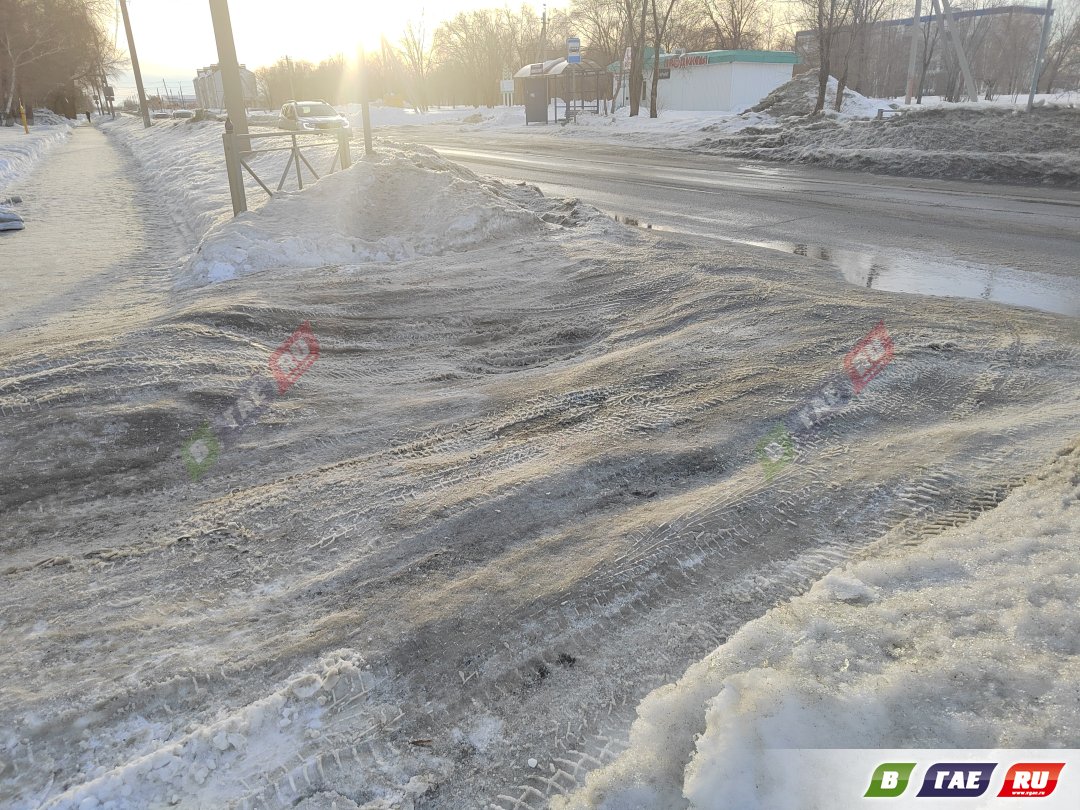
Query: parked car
[183, 114]
[311, 115]
[160, 115]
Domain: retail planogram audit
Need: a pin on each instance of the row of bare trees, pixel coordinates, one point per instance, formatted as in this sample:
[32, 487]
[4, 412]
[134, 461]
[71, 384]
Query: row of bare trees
[848, 44]
[54, 52]
[461, 60]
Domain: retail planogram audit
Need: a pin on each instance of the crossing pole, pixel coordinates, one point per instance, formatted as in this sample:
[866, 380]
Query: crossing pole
[135, 66]
[1048, 16]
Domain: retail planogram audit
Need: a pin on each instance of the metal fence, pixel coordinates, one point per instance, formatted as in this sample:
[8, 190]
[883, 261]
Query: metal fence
[240, 148]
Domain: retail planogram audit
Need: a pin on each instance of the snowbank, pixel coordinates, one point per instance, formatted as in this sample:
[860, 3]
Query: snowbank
[184, 161]
[985, 142]
[19, 152]
[402, 204]
[799, 96]
[970, 640]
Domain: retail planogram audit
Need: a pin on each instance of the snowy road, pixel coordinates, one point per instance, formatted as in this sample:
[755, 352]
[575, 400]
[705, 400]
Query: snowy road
[1015, 244]
[520, 488]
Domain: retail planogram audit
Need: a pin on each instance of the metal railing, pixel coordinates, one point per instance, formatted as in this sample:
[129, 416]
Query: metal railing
[239, 149]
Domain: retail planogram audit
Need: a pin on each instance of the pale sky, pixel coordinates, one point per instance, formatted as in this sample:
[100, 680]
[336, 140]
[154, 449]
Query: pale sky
[175, 38]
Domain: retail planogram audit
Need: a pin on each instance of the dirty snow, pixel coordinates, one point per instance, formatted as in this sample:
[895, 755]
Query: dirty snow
[967, 640]
[402, 204]
[517, 490]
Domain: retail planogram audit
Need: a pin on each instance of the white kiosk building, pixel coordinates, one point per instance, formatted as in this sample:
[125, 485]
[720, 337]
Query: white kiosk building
[724, 81]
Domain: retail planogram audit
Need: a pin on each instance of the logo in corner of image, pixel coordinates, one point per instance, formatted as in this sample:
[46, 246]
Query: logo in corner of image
[1031, 780]
[890, 780]
[957, 779]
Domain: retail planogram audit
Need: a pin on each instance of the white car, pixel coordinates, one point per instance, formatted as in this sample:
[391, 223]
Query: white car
[311, 115]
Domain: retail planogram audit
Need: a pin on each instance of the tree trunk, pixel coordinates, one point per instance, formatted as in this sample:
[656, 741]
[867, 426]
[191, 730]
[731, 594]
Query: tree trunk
[638, 58]
[823, 83]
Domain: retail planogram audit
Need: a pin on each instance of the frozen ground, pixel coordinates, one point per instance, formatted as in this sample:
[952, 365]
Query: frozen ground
[518, 489]
[968, 640]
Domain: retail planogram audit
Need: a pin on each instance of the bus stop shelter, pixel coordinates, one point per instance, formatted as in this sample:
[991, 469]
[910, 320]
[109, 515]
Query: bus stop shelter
[581, 87]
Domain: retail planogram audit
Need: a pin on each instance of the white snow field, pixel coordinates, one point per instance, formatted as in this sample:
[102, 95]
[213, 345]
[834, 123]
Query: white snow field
[20, 152]
[968, 640]
[520, 485]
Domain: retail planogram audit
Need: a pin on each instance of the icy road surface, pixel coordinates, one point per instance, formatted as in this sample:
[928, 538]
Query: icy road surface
[1014, 244]
[518, 489]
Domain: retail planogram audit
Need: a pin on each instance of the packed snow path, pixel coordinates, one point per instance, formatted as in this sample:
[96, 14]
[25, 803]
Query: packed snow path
[518, 489]
[94, 256]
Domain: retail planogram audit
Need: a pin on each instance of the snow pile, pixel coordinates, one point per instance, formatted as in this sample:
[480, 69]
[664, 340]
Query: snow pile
[402, 204]
[19, 152]
[970, 640]
[798, 97]
[967, 142]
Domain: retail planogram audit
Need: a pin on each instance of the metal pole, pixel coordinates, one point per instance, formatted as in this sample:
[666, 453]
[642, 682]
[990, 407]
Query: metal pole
[292, 88]
[365, 113]
[916, 30]
[230, 73]
[1047, 18]
[954, 35]
[135, 66]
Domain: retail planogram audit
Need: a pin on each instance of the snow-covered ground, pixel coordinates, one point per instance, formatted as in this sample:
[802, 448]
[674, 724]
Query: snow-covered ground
[20, 152]
[517, 489]
[968, 640]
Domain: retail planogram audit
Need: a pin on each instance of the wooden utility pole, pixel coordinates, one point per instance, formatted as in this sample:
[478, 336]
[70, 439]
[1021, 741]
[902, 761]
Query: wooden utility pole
[135, 65]
[916, 31]
[1048, 16]
[230, 73]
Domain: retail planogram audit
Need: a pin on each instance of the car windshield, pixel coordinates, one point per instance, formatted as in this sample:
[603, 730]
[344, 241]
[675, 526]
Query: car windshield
[305, 110]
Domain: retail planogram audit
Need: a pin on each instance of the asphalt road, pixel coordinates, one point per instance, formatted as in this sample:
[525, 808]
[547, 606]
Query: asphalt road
[1012, 244]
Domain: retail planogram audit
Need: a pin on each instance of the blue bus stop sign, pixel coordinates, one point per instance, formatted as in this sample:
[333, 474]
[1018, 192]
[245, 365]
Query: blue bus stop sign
[573, 50]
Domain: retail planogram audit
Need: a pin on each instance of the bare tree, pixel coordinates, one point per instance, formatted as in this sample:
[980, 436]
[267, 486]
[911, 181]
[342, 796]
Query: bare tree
[1063, 52]
[736, 23]
[417, 53]
[826, 17]
[863, 15]
[659, 27]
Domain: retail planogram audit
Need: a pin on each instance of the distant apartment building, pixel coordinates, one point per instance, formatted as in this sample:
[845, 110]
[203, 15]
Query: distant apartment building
[209, 93]
[1001, 44]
